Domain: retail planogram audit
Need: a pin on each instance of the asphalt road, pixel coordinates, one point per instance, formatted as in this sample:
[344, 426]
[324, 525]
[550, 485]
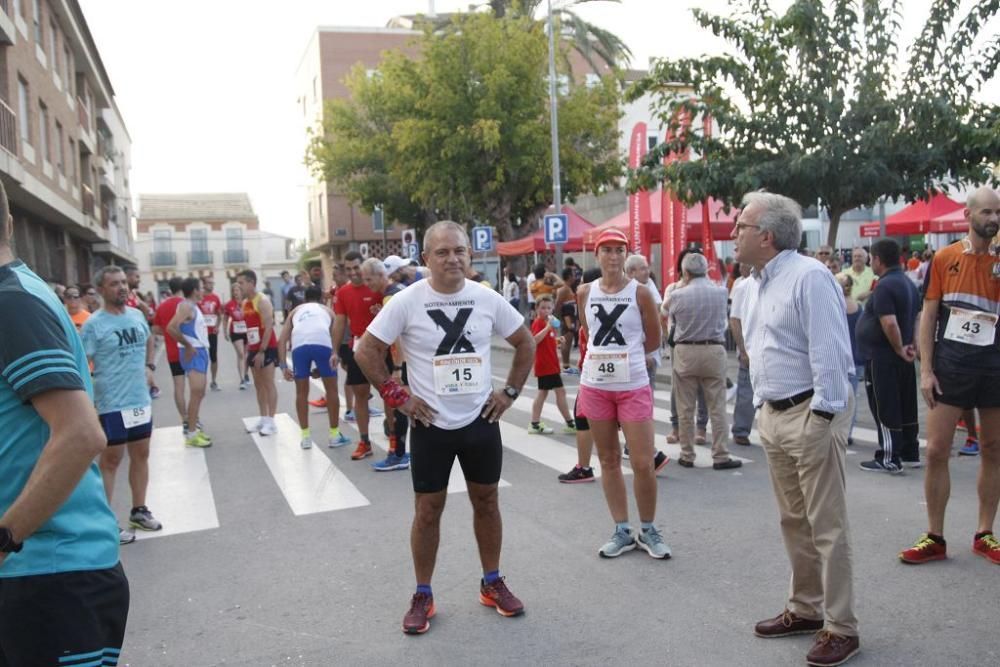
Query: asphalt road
[275, 556]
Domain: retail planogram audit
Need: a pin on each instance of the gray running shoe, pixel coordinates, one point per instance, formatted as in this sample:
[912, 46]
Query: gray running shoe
[125, 536]
[621, 541]
[215, 387]
[653, 543]
[143, 519]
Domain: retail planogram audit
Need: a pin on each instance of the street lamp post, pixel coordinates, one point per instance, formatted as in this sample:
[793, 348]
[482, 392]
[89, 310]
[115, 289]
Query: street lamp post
[554, 123]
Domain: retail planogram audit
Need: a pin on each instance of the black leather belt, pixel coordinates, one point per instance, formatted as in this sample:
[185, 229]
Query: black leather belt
[699, 342]
[789, 403]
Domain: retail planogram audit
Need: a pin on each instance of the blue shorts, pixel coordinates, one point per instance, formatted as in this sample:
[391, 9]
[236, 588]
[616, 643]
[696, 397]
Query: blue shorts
[117, 434]
[304, 356]
[198, 363]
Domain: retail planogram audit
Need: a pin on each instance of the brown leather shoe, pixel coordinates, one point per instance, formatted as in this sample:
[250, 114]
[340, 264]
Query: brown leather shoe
[742, 440]
[700, 437]
[673, 438]
[832, 649]
[786, 623]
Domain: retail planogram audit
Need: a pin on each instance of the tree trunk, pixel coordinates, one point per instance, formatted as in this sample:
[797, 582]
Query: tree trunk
[831, 235]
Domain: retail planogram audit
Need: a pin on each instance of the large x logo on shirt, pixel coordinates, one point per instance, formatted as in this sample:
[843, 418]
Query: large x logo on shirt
[608, 333]
[454, 341]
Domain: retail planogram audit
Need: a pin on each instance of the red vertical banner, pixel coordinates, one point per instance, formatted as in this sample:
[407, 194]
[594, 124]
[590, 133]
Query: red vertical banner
[673, 215]
[638, 202]
[707, 242]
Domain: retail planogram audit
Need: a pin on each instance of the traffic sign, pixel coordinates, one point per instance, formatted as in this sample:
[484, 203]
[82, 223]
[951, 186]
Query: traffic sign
[408, 236]
[413, 252]
[482, 239]
[556, 228]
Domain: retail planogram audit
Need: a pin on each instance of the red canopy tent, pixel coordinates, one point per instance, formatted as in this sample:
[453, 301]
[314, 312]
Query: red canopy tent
[720, 222]
[950, 222]
[916, 218]
[870, 230]
[578, 226]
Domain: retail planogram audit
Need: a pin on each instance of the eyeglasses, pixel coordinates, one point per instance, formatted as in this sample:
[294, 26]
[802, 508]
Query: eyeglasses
[72, 296]
[743, 225]
[822, 252]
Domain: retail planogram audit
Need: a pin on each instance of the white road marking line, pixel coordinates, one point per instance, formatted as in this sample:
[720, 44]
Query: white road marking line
[180, 491]
[306, 477]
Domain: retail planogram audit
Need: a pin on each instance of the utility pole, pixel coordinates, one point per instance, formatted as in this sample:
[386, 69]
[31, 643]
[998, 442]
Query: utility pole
[554, 122]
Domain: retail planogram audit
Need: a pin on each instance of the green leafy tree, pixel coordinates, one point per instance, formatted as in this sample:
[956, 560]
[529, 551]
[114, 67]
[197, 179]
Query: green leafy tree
[818, 103]
[463, 131]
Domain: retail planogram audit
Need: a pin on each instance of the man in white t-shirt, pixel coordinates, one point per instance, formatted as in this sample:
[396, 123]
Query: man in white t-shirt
[743, 296]
[445, 325]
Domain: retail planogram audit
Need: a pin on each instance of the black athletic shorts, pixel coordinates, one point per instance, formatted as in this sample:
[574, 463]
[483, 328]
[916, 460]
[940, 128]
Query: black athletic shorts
[213, 347]
[581, 421]
[235, 337]
[547, 382]
[270, 357]
[968, 390]
[345, 354]
[176, 369]
[433, 451]
[354, 374]
[68, 618]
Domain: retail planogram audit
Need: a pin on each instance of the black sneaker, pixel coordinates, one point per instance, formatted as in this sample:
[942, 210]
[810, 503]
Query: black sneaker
[660, 461]
[878, 466]
[577, 475]
[728, 464]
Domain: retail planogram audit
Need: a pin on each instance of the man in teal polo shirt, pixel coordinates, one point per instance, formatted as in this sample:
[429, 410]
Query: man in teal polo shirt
[63, 593]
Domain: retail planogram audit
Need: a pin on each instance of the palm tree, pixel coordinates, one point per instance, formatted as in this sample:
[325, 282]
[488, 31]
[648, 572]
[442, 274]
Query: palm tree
[594, 44]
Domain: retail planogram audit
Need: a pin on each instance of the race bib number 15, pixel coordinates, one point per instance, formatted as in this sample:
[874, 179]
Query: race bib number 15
[458, 374]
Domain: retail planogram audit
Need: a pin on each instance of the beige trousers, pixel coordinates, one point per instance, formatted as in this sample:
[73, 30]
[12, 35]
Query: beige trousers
[704, 365]
[806, 455]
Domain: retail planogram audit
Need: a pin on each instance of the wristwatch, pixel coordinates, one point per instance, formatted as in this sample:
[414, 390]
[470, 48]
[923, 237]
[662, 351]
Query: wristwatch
[7, 543]
[151, 367]
[511, 392]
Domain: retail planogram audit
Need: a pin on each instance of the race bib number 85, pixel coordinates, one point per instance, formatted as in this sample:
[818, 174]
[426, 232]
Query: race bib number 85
[458, 374]
[137, 416]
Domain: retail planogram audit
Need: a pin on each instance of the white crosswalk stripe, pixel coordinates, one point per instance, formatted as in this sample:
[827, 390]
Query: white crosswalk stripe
[307, 478]
[179, 491]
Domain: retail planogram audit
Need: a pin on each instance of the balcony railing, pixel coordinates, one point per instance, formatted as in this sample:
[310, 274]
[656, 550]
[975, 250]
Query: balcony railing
[8, 129]
[88, 199]
[236, 256]
[200, 257]
[160, 258]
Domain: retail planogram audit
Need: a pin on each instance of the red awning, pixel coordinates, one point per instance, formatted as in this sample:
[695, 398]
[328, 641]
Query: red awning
[916, 218]
[721, 223]
[578, 226]
[950, 223]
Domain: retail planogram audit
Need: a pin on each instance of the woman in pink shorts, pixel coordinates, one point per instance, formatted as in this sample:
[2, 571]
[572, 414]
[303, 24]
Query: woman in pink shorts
[622, 326]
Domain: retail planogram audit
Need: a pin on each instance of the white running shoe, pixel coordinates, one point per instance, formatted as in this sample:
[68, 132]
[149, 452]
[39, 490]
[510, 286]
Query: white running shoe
[256, 426]
[268, 427]
[306, 442]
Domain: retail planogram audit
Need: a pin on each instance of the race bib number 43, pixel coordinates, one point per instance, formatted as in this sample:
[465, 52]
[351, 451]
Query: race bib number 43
[606, 367]
[972, 327]
[137, 416]
[458, 374]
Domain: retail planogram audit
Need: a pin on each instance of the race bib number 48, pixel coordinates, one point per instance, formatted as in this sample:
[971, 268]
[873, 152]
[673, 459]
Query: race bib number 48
[458, 374]
[606, 367]
[137, 416]
[972, 327]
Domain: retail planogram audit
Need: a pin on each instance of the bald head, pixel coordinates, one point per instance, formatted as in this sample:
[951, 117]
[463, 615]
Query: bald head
[984, 197]
[982, 211]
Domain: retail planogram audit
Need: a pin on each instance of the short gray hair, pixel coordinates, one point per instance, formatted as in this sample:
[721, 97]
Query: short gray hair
[695, 264]
[442, 225]
[106, 270]
[635, 262]
[373, 265]
[780, 215]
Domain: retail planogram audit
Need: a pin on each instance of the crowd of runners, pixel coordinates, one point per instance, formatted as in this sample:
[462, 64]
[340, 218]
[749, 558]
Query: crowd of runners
[77, 391]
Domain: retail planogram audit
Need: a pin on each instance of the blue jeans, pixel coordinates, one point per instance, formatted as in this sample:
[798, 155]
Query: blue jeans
[743, 411]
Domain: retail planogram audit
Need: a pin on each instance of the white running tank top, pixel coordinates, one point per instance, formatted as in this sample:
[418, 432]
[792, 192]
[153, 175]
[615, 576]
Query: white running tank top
[614, 330]
[311, 326]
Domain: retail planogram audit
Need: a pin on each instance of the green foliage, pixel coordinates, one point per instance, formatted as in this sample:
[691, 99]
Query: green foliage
[817, 103]
[463, 131]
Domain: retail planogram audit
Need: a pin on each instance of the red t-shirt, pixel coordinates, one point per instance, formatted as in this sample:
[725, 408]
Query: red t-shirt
[211, 307]
[360, 304]
[546, 359]
[164, 314]
[234, 312]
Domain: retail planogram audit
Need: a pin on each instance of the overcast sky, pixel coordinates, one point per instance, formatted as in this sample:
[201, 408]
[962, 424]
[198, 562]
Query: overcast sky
[207, 90]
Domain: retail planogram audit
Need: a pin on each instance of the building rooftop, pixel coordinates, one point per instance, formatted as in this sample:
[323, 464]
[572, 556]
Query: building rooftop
[196, 206]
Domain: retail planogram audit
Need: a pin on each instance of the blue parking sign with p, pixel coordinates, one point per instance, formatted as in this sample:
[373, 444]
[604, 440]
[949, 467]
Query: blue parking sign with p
[557, 228]
[413, 251]
[482, 239]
